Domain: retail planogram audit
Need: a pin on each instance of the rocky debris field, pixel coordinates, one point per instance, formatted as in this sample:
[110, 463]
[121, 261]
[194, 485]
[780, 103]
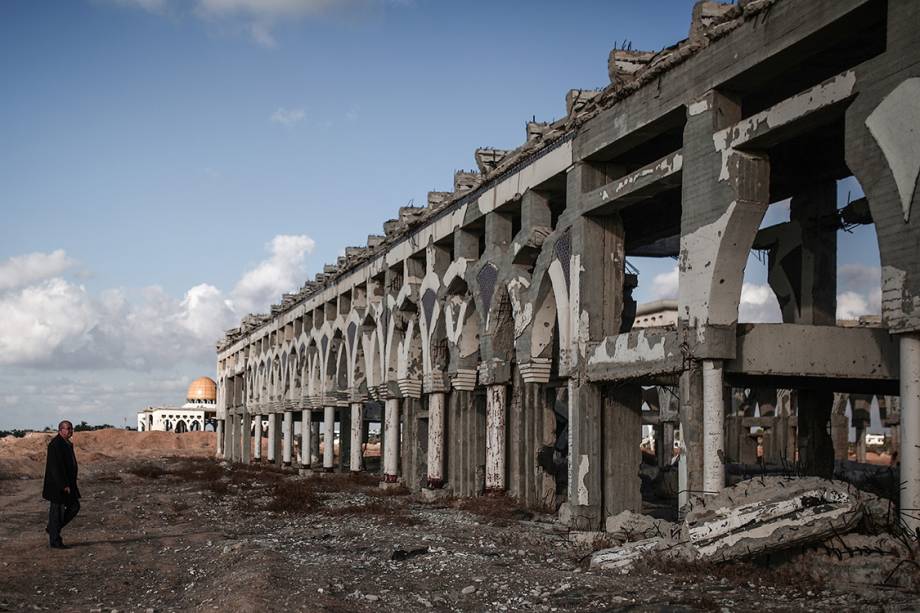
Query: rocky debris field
[189, 534]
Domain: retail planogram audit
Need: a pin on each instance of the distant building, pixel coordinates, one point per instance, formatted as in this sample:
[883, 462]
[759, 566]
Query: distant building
[198, 412]
[656, 314]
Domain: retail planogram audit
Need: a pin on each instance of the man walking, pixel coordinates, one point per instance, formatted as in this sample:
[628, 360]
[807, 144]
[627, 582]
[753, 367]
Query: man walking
[61, 484]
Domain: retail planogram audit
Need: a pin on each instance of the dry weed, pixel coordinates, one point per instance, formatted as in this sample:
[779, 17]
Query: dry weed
[497, 509]
[293, 497]
[147, 470]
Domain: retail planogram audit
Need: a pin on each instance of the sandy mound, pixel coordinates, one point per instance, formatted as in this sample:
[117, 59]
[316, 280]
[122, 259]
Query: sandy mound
[25, 457]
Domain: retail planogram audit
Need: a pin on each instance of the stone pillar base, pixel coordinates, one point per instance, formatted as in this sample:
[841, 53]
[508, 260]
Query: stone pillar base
[390, 485]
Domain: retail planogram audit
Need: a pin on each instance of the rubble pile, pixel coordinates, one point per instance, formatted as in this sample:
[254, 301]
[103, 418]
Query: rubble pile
[824, 528]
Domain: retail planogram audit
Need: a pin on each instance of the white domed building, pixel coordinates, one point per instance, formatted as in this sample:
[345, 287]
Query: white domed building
[198, 413]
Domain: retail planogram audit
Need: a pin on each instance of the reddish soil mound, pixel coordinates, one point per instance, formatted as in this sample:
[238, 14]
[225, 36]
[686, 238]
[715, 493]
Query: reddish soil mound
[25, 457]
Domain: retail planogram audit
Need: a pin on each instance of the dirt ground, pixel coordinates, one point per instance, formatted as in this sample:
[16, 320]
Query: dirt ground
[183, 533]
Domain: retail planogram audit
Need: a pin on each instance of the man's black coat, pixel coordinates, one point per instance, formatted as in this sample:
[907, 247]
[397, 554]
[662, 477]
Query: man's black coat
[60, 472]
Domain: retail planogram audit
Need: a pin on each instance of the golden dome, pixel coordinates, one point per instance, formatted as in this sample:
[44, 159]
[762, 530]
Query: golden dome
[202, 388]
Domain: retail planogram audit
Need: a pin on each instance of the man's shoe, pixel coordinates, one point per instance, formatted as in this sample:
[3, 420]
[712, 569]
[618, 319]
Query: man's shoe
[59, 546]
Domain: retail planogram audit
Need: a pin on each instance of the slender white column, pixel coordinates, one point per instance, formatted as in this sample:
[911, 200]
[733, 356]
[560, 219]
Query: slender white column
[910, 430]
[220, 438]
[257, 439]
[495, 438]
[436, 440]
[713, 427]
[357, 428]
[272, 434]
[391, 440]
[306, 442]
[328, 439]
[288, 442]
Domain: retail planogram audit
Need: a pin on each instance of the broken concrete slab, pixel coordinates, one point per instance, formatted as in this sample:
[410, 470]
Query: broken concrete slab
[752, 518]
[770, 514]
[624, 557]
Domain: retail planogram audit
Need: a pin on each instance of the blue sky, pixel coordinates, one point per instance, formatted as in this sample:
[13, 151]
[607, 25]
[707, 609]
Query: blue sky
[167, 165]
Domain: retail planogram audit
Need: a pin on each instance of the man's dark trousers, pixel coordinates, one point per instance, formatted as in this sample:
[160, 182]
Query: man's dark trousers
[59, 515]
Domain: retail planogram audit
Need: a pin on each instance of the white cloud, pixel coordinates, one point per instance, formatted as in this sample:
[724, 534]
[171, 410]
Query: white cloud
[257, 18]
[758, 304]
[851, 305]
[151, 6]
[859, 291]
[287, 117]
[26, 269]
[262, 34]
[281, 272]
[859, 276]
[38, 321]
[266, 9]
[260, 16]
[664, 285]
[53, 323]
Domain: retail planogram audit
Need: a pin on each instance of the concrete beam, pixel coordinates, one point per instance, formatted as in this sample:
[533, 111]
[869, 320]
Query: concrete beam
[793, 350]
[788, 117]
[767, 350]
[637, 354]
[651, 179]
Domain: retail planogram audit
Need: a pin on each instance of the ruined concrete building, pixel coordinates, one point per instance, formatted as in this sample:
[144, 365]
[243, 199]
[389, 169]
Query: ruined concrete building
[495, 325]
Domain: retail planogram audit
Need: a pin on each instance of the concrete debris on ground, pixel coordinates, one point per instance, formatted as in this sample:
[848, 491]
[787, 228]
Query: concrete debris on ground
[768, 515]
[628, 527]
[172, 534]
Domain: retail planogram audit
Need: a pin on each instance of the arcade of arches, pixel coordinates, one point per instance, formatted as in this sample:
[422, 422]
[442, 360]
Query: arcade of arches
[493, 329]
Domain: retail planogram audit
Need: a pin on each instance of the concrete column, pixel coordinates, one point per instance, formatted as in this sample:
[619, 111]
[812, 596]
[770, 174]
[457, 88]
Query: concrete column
[226, 445]
[861, 418]
[391, 440]
[237, 438]
[690, 469]
[436, 402]
[343, 416]
[220, 438]
[314, 442]
[276, 442]
[496, 411]
[910, 430]
[257, 439]
[306, 438]
[328, 439]
[585, 491]
[288, 442]
[233, 444]
[246, 437]
[622, 437]
[713, 427]
[272, 436]
[228, 438]
[357, 430]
